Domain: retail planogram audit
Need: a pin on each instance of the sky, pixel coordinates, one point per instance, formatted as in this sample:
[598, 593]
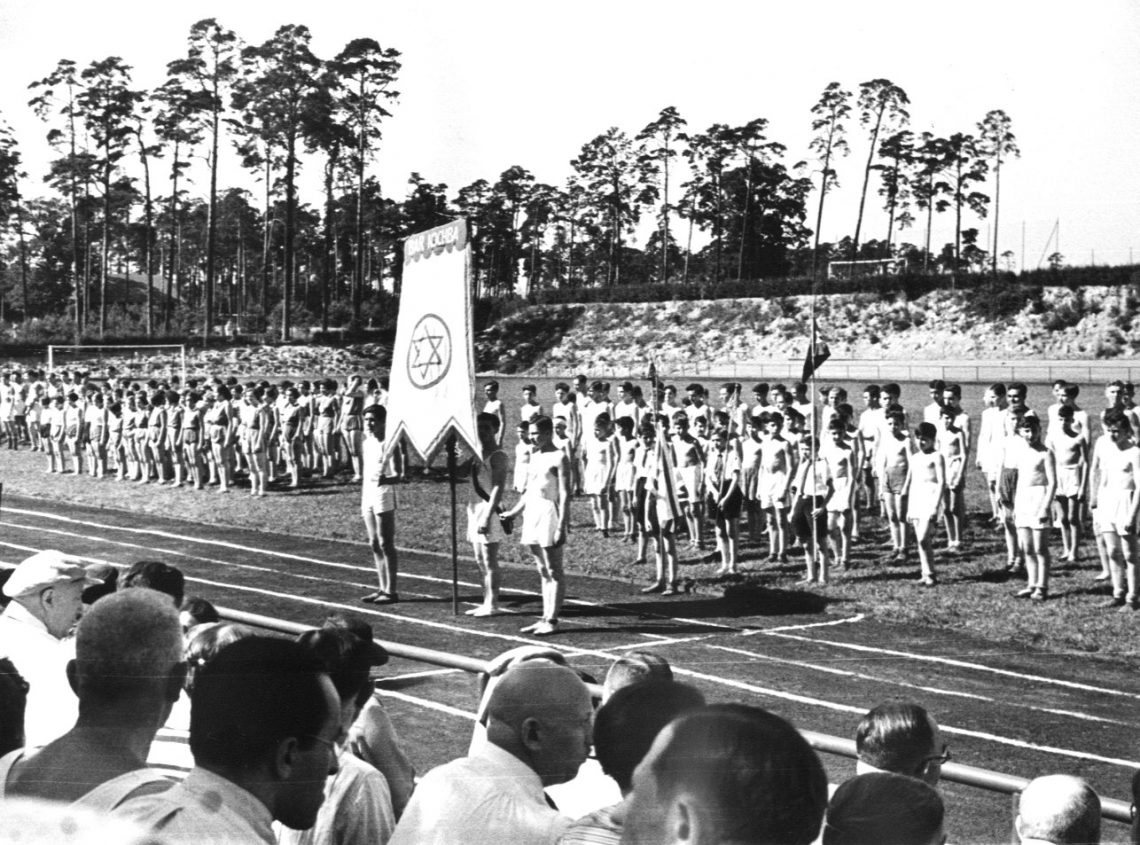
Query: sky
[488, 85]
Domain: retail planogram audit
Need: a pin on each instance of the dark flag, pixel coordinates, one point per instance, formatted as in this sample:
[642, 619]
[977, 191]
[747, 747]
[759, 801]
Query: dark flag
[817, 353]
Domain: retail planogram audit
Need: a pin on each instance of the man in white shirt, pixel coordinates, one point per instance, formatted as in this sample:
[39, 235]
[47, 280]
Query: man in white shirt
[128, 672]
[264, 730]
[47, 600]
[539, 721]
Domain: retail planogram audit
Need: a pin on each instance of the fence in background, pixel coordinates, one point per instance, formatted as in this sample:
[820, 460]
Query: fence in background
[963, 371]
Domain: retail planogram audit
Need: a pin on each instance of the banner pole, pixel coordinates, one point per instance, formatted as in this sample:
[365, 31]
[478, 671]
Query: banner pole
[451, 460]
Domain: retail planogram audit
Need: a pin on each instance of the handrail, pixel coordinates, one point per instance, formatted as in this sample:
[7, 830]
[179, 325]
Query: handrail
[987, 779]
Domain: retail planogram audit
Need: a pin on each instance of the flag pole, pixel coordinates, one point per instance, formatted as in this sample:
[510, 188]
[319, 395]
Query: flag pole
[451, 460]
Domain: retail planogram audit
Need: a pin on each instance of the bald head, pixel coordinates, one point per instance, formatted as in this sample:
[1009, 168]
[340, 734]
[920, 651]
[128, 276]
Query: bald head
[542, 713]
[536, 689]
[1059, 809]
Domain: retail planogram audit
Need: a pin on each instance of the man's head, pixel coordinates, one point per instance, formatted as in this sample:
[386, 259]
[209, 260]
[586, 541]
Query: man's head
[267, 717]
[49, 585]
[128, 656]
[156, 575]
[881, 807]
[542, 713]
[727, 773]
[628, 722]
[348, 661]
[1060, 809]
[635, 667]
[902, 738]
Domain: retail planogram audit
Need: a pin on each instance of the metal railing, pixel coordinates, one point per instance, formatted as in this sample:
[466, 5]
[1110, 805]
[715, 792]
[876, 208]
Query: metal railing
[978, 778]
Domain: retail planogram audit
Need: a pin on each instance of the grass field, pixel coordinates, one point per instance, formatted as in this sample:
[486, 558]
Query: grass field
[975, 593]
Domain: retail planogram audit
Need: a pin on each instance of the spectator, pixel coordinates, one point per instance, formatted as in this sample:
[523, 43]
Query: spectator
[157, 576]
[538, 734]
[263, 731]
[632, 667]
[372, 736]
[47, 600]
[106, 573]
[882, 808]
[127, 673]
[1058, 810]
[727, 773]
[170, 751]
[900, 737]
[13, 700]
[624, 730]
[358, 805]
[27, 821]
[197, 611]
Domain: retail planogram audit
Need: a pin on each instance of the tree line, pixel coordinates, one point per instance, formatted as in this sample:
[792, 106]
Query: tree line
[123, 207]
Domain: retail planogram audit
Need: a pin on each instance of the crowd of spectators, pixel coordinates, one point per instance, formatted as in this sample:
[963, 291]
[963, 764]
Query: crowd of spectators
[287, 741]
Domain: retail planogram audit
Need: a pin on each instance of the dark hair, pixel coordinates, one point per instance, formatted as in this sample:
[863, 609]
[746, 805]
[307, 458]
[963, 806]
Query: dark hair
[926, 429]
[892, 389]
[200, 610]
[1020, 387]
[157, 576]
[626, 725]
[530, 387]
[13, 702]
[937, 384]
[492, 383]
[624, 424]
[880, 808]
[759, 779]
[543, 423]
[253, 694]
[345, 657]
[872, 390]
[637, 666]
[562, 386]
[895, 736]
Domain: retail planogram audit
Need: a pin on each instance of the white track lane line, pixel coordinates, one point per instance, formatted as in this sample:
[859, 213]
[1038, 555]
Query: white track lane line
[318, 561]
[431, 673]
[185, 556]
[959, 664]
[860, 676]
[655, 639]
[427, 703]
[712, 679]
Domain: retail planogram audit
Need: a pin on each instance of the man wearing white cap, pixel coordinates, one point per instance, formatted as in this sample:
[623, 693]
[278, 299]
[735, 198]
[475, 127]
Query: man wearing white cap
[47, 600]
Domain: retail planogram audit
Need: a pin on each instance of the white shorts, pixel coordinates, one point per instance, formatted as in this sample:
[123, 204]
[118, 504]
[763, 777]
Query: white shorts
[378, 500]
[1027, 508]
[476, 512]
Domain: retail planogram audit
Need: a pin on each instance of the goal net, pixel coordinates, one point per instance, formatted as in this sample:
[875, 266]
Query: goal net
[159, 360]
[867, 267]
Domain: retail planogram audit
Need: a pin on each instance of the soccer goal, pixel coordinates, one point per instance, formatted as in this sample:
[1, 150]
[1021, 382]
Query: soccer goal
[158, 359]
[867, 267]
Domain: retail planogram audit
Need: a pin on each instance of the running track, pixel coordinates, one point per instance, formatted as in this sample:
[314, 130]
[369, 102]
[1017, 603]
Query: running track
[1024, 713]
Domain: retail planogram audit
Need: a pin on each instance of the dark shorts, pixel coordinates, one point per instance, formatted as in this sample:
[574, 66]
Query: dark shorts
[731, 508]
[1007, 487]
[801, 519]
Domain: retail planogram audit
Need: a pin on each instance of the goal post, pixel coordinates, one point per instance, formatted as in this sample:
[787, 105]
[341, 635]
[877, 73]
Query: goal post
[865, 267]
[168, 356]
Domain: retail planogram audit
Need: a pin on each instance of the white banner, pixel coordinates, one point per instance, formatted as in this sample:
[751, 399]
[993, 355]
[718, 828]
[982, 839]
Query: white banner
[432, 382]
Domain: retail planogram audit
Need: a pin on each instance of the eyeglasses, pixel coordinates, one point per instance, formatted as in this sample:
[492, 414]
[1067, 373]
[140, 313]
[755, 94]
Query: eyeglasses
[333, 745]
[944, 757]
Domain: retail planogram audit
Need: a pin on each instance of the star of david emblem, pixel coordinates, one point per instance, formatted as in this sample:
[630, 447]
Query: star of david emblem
[429, 356]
